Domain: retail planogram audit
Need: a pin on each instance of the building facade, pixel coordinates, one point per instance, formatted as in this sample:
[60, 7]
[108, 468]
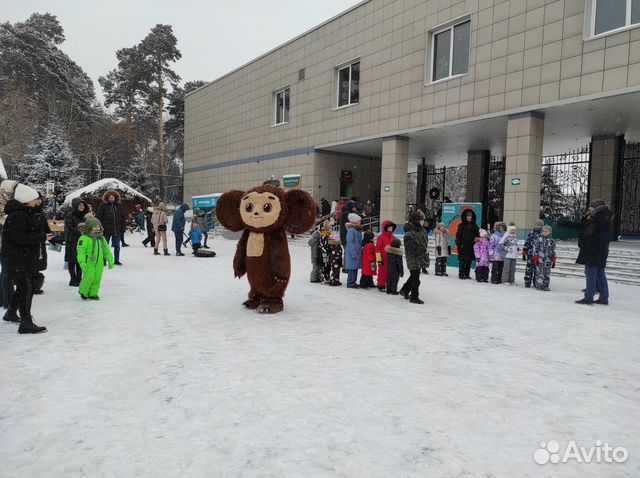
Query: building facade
[356, 103]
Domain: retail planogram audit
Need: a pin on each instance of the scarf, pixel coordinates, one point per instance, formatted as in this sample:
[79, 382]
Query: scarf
[97, 238]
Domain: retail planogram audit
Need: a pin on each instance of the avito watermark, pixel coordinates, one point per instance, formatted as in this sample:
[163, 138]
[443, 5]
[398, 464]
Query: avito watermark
[600, 452]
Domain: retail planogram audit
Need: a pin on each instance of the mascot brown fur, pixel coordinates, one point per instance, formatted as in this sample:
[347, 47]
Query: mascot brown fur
[265, 214]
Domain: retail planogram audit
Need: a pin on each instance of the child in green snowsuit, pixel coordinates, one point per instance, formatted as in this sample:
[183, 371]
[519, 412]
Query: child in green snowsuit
[93, 251]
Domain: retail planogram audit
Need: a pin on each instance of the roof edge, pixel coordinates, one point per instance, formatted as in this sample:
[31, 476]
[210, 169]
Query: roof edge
[335, 17]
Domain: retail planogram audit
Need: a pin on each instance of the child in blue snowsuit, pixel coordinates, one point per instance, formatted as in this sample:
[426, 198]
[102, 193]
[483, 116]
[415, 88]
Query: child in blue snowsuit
[528, 253]
[195, 235]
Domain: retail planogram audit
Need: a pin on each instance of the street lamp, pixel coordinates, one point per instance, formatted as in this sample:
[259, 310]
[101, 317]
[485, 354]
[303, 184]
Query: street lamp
[53, 175]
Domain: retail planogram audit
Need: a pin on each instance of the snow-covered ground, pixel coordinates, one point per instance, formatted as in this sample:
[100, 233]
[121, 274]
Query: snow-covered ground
[169, 376]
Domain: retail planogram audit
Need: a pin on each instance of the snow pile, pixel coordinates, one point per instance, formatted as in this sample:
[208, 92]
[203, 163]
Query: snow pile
[101, 186]
[168, 375]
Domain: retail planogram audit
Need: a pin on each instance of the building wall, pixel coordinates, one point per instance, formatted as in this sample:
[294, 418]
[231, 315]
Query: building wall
[524, 54]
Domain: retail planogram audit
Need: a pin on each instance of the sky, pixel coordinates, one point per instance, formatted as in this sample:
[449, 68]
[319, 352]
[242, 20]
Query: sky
[214, 36]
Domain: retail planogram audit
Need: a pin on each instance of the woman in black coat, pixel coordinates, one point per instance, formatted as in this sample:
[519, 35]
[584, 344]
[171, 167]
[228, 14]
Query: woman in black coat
[23, 237]
[151, 235]
[466, 235]
[71, 236]
[595, 234]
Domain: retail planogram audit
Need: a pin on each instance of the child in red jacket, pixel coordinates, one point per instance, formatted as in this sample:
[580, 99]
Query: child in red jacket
[368, 261]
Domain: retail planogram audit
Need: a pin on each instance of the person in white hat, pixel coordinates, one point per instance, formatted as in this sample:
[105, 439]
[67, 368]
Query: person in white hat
[22, 238]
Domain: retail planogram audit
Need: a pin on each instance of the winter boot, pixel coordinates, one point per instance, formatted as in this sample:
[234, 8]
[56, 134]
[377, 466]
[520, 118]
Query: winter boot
[28, 327]
[166, 252]
[415, 300]
[585, 301]
[155, 252]
[179, 254]
[84, 297]
[11, 316]
[95, 297]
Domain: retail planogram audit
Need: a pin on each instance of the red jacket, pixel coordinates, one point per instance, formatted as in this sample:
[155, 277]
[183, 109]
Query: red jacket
[368, 258]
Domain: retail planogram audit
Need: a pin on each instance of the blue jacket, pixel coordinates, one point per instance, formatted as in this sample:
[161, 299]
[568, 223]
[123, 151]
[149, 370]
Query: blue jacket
[196, 236]
[354, 247]
[178, 219]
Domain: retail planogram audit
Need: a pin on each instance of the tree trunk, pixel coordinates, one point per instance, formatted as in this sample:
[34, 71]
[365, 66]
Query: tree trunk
[160, 135]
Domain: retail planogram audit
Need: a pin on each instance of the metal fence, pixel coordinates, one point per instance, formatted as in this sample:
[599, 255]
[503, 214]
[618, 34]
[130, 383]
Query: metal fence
[495, 191]
[564, 185]
[629, 202]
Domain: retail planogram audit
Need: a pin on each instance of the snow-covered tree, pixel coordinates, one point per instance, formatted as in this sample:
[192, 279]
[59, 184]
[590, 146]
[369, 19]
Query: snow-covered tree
[139, 175]
[50, 154]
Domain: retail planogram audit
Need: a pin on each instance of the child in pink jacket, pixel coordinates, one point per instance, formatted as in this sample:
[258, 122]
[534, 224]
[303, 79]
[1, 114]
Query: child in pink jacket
[481, 250]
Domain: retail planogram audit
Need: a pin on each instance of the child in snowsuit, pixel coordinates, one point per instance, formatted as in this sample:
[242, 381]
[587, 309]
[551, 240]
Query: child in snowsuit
[496, 252]
[395, 268]
[331, 248]
[368, 260]
[527, 253]
[93, 252]
[544, 250]
[314, 245]
[442, 248]
[481, 250]
[509, 243]
[384, 240]
[196, 236]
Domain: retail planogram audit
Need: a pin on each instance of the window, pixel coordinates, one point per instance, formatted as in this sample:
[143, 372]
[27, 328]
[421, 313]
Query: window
[282, 106]
[609, 15]
[451, 51]
[349, 84]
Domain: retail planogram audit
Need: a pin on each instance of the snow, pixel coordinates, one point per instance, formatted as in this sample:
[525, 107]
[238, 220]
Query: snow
[168, 375]
[103, 185]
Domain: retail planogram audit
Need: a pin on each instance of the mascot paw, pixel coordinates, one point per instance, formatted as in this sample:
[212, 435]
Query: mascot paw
[251, 304]
[270, 308]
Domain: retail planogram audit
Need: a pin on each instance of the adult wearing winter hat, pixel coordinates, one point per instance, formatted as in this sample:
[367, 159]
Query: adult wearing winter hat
[416, 244]
[354, 249]
[22, 237]
[151, 235]
[349, 207]
[595, 234]
[71, 235]
[7, 189]
[111, 216]
[159, 220]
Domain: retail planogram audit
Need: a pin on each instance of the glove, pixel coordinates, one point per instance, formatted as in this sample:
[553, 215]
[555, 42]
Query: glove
[536, 260]
[439, 250]
[553, 263]
[524, 255]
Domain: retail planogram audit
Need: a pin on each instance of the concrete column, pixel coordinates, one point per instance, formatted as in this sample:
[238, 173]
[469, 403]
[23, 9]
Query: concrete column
[603, 184]
[525, 137]
[393, 184]
[478, 175]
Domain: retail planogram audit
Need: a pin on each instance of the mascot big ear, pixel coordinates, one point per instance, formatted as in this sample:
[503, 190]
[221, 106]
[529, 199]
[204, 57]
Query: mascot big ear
[301, 211]
[228, 210]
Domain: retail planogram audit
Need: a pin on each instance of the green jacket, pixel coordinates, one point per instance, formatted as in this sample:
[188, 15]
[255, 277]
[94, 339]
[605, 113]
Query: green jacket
[87, 257]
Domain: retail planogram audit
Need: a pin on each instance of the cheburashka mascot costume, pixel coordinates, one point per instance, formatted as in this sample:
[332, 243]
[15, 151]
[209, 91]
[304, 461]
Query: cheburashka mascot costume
[265, 214]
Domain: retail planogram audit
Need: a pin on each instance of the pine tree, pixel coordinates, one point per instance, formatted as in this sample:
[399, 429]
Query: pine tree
[138, 176]
[49, 154]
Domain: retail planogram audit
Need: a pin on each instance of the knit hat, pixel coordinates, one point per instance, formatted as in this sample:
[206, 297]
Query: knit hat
[24, 194]
[538, 223]
[440, 224]
[484, 233]
[547, 228]
[91, 222]
[396, 242]
[511, 228]
[354, 218]
[194, 225]
[597, 202]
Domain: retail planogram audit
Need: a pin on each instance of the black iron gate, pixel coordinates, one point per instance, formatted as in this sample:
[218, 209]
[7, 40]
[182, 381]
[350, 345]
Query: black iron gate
[494, 202]
[564, 185]
[628, 206]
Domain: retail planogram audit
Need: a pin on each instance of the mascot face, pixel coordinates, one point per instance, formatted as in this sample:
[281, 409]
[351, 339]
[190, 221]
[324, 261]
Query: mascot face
[260, 209]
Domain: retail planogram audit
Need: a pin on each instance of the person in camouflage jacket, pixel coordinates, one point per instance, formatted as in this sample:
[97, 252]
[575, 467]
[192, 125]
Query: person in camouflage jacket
[544, 258]
[527, 253]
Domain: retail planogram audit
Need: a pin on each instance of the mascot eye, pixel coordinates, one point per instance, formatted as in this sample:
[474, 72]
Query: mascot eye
[248, 207]
[267, 207]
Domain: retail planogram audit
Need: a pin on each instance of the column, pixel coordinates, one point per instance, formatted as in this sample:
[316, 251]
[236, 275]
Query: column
[478, 175]
[393, 184]
[604, 183]
[525, 137]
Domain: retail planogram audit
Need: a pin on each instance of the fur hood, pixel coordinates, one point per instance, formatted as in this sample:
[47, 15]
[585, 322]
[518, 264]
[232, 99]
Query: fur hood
[160, 207]
[394, 250]
[111, 192]
[498, 225]
[440, 233]
[352, 225]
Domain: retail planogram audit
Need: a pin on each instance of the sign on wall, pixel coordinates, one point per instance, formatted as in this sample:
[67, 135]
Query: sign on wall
[291, 181]
[515, 181]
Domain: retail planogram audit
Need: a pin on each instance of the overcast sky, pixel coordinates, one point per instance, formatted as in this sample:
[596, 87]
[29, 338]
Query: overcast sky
[214, 36]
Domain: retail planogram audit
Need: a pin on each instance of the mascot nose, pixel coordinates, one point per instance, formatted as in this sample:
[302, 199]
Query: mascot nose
[256, 213]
